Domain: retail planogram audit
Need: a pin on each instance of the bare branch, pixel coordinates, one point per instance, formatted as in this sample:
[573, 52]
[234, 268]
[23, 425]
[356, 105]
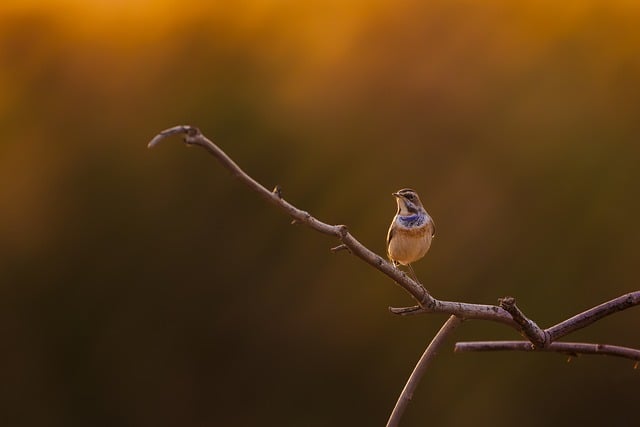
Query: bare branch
[507, 313]
[463, 310]
[193, 136]
[419, 370]
[570, 348]
[529, 328]
[427, 304]
[594, 314]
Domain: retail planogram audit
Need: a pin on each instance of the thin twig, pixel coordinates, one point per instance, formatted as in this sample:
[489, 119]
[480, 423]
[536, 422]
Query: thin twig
[570, 348]
[419, 370]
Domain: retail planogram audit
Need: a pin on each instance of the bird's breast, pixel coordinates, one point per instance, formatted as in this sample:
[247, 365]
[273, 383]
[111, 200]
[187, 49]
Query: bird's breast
[409, 244]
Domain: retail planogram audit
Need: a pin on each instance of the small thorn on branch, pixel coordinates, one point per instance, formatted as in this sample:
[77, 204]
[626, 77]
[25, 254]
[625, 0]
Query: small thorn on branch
[342, 247]
[277, 190]
[571, 355]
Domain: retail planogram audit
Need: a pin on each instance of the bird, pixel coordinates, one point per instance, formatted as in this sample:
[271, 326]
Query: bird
[411, 231]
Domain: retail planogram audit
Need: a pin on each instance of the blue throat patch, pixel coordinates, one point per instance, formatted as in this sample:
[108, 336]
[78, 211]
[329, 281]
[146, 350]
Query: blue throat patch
[414, 220]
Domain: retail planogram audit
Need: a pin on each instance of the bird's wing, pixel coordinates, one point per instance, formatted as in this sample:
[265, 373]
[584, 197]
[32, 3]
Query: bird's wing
[390, 234]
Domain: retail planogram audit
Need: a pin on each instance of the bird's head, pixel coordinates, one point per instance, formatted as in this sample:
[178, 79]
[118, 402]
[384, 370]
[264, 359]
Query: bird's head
[408, 201]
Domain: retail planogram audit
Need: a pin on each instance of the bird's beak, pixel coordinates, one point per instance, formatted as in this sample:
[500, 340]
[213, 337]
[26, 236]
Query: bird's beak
[395, 194]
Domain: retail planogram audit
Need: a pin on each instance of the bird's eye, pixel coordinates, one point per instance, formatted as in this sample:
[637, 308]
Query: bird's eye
[409, 196]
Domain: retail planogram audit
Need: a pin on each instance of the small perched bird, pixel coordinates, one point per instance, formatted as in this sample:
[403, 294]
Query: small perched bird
[411, 230]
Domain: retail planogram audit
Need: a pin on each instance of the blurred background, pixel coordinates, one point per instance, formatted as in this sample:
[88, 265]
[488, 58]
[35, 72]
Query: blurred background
[149, 288]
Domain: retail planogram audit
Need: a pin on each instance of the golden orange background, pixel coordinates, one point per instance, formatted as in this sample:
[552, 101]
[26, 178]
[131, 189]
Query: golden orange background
[146, 287]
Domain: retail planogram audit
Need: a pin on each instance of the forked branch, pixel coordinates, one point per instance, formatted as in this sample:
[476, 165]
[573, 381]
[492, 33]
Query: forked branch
[506, 312]
[193, 136]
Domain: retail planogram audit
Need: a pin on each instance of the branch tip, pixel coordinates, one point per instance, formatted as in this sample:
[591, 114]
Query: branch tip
[506, 301]
[406, 311]
[189, 131]
[528, 327]
[341, 247]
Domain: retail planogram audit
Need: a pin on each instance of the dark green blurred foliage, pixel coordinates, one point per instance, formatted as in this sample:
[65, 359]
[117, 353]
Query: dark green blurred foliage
[149, 288]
